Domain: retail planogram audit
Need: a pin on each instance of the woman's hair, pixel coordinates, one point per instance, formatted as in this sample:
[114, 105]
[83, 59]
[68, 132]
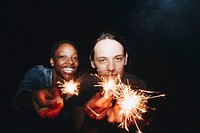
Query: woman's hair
[56, 46]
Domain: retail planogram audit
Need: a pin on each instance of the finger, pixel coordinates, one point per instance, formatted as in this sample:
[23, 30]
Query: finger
[102, 104]
[110, 116]
[99, 101]
[91, 113]
[103, 114]
[40, 110]
[91, 103]
[47, 99]
[54, 102]
[55, 111]
[98, 105]
[58, 103]
[105, 101]
[113, 115]
[50, 112]
[98, 113]
[43, 112]
[41, 97]
[56, 108]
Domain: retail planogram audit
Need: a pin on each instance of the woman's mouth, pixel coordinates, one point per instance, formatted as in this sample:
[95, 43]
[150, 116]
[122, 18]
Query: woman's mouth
[68, 70]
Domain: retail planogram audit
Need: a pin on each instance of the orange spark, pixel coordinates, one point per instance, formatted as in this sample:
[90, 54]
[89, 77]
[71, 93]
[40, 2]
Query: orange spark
[108, 85]
[69, 88]
[133, 105]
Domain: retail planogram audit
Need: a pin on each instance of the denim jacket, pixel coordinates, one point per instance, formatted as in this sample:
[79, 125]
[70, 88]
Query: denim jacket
[35, 78]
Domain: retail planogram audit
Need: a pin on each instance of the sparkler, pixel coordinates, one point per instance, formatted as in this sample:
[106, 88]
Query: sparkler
[109, 86]
[69, 88]
[132, 102]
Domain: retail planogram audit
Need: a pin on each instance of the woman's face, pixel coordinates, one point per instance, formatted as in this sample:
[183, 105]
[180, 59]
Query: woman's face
[65, 61]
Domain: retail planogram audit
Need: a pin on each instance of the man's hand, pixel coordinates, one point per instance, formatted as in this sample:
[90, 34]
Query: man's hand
[113, 114]
[47, 102]
[98, 106]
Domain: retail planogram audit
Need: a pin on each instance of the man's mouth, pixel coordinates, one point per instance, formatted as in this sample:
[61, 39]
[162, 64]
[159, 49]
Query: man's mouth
[114, 76]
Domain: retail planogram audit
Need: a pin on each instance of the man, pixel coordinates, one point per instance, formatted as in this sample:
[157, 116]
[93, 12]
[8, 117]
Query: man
[109, 58]
[38, 93]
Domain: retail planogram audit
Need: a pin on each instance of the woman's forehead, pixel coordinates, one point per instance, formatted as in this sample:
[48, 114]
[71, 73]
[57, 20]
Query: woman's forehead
[67, 47]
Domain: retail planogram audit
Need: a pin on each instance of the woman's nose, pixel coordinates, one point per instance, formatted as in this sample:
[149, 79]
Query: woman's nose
[69, 60]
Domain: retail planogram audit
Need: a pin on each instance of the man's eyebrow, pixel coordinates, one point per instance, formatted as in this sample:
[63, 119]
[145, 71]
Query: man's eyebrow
[119, 55]
[101, 57]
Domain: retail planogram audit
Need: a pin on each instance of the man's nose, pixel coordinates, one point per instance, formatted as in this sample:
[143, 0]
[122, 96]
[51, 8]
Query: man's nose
[111, 67]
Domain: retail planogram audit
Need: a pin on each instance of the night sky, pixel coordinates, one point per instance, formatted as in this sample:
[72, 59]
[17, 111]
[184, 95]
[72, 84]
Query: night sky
[163, 37]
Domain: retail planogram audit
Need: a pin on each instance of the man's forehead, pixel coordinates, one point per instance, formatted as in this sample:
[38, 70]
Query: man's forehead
[108, 46]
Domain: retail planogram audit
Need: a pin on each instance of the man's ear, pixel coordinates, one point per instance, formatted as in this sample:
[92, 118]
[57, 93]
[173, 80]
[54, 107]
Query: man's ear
[126, 59]
[51, 61]
[91, 62]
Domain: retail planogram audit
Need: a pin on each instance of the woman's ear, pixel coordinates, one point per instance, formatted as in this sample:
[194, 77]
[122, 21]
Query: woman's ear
[91, 62]
[51, 62]
[126, 59]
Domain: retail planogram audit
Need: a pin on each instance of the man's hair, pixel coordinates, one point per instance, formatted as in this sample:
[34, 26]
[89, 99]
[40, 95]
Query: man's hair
[112, 36]
[56, 46]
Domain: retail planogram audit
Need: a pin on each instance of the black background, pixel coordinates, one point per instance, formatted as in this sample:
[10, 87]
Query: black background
[164, 44]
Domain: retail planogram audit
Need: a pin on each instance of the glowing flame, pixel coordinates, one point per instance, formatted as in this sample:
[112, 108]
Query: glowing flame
[132, 102]
[108, 85]
[69, 88]
[133, 105]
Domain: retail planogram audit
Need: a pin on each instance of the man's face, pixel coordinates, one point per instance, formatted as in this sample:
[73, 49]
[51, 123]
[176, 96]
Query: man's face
[66, 61]
[109, 58]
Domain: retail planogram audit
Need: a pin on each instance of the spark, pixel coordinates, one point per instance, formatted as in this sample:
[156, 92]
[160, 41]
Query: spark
[132, 101]
[108, 85]
[133, 104]
[69, 88]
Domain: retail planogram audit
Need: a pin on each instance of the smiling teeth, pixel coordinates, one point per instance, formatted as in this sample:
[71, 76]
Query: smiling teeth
[68, 69]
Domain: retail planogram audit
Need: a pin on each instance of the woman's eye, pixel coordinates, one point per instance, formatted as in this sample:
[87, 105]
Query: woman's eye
[75, 58]
[61, 56]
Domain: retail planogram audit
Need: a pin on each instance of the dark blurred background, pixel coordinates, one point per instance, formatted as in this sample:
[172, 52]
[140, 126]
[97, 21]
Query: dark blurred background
[164, 45]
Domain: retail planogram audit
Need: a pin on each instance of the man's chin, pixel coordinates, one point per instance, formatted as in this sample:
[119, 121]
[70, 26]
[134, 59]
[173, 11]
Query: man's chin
[110, 76]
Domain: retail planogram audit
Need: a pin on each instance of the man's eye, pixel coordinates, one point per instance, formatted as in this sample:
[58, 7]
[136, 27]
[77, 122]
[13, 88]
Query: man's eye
[118, 59]
[102, 61]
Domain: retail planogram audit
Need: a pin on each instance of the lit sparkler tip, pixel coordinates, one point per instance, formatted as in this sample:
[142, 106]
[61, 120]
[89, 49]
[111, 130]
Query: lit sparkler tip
[138, 99]
[108, 84]
[69, 88]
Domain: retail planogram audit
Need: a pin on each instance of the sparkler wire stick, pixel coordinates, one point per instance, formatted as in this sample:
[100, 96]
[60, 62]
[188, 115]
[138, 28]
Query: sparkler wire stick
[93, 111]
